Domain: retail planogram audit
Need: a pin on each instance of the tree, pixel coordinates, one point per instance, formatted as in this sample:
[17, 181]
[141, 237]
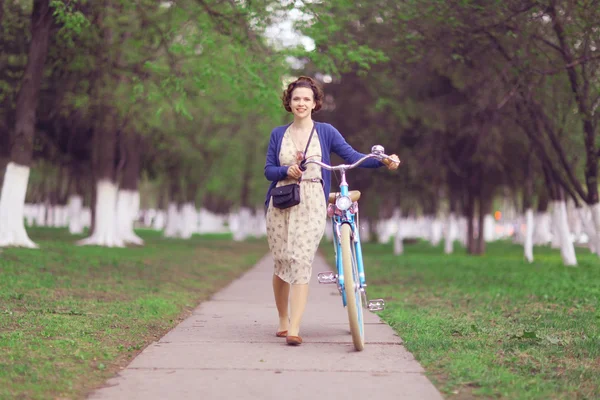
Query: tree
[12, 197]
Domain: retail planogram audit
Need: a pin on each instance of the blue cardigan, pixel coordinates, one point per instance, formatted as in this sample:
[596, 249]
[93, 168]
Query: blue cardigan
[331, 140]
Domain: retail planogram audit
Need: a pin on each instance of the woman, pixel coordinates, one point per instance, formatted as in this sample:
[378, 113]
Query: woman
[294, 233]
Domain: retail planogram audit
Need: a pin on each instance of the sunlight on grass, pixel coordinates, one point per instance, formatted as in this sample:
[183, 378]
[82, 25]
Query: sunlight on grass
[71, 316]
[494, 326]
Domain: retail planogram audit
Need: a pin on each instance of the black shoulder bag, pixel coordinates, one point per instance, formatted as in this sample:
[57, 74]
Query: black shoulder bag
[289, 195]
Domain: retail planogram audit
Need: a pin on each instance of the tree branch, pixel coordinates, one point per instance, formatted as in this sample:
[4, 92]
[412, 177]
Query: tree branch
[548, 43]
[543, 124]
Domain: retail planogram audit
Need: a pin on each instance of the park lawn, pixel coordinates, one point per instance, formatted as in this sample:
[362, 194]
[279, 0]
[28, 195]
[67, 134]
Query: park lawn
[494, 326]
[70, 316]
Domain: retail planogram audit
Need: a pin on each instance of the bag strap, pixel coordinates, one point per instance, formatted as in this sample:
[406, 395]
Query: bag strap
[309, 139]
[307, 144]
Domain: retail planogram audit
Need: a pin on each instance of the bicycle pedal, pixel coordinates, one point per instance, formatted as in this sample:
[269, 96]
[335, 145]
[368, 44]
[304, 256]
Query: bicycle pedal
[327, 277]
[376, 305]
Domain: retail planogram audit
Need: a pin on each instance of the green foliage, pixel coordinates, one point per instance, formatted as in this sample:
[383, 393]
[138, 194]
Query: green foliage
[449, 84]
[72, 21]
[186, 77]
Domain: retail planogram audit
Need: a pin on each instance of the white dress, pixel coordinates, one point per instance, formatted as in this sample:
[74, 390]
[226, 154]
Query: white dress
[294, 234]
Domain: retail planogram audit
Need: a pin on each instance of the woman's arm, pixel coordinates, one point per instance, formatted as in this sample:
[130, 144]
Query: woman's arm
[273, 171]
[340, 147]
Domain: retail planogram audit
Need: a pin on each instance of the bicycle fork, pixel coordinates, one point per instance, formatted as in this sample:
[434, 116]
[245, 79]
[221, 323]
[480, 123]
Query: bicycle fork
[330, 277]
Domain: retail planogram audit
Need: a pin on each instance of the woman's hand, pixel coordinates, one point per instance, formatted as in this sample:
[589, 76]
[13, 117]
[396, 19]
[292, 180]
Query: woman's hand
[294, 172]
[393, 162]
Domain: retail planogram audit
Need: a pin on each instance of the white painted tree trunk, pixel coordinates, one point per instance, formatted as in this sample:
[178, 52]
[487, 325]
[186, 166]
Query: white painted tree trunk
[40, 216]
[188, 224]
[567, 249]
[588, 228]
[30, 211]
[63, 216]
[399, 236]
[105, 225]
[59, 216]
[364, 226]
[519, 233]
[575, 223]
[12, 205]
[436, 231]
[149, 216]
[49, 216]
[210, 222]
[261, 223]
[595, 210]
[206, 221]
[385, 230]
[128, 205]
[463, 231]
[75, 208]
[159, 220]
[556, 236]
[86, 217]
[242, 229]
[489, 228]
[450, 233]
[529, 235]
[172, 225]
[542, 229]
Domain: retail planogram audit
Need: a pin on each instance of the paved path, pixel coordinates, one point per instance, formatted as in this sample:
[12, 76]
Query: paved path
[227, 349]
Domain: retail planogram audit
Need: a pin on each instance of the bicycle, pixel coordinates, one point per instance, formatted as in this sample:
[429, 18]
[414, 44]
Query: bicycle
[350, 278]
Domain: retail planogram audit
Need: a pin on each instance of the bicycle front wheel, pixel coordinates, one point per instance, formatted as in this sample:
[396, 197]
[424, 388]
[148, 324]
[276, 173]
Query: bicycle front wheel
[351, 289]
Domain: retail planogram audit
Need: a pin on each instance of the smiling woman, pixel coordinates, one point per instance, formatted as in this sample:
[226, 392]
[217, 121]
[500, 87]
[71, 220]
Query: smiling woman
[294, 233]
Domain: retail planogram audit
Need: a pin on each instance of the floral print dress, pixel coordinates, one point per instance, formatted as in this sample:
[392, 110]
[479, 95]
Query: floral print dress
[294, 234]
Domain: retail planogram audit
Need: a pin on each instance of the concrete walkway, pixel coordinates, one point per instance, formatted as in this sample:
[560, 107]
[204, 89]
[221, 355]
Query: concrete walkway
[227, 349]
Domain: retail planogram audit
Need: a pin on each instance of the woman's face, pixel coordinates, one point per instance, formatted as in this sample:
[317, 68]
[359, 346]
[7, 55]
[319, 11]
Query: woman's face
[302, 102]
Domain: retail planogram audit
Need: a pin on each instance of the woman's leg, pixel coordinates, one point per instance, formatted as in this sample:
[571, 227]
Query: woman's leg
[298, 299]
[281, 290]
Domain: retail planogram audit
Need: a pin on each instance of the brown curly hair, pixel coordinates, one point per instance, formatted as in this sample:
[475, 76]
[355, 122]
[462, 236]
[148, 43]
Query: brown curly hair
[307, 82]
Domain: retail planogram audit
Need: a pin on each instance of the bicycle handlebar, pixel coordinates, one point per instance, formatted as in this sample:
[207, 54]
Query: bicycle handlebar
[376, 152]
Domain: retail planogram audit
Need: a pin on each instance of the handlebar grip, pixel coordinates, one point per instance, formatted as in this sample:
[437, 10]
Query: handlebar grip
[302, 165]
[387, 161]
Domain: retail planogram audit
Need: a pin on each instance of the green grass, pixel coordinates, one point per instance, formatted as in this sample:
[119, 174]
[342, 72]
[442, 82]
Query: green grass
[72, 316]
[494, 326]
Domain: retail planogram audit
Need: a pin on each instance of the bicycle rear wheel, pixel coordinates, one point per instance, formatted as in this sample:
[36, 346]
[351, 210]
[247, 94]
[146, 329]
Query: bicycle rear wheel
[353, 296]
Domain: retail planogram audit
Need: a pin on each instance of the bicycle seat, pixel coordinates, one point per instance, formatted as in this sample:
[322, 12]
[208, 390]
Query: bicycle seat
[354, 196]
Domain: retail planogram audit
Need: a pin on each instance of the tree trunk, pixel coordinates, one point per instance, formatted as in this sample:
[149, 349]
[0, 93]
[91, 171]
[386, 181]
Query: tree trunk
[528, 245]
[399, 236]
[189, 223]
[587, 221]
[128, 197]
[451, 228]
[595, 211]
[528, 209]
[470, 214]
[541, 229]
[1, 12]
[16, 178]
[450, 233]
[4, 145]
[561, 228]
[75, 201]
[580, 86]
[480, 246]
[174, 217]
[104, 231]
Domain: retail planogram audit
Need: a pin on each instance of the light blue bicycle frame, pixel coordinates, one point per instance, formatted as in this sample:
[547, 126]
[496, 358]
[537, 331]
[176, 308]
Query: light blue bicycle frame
[348, 217]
